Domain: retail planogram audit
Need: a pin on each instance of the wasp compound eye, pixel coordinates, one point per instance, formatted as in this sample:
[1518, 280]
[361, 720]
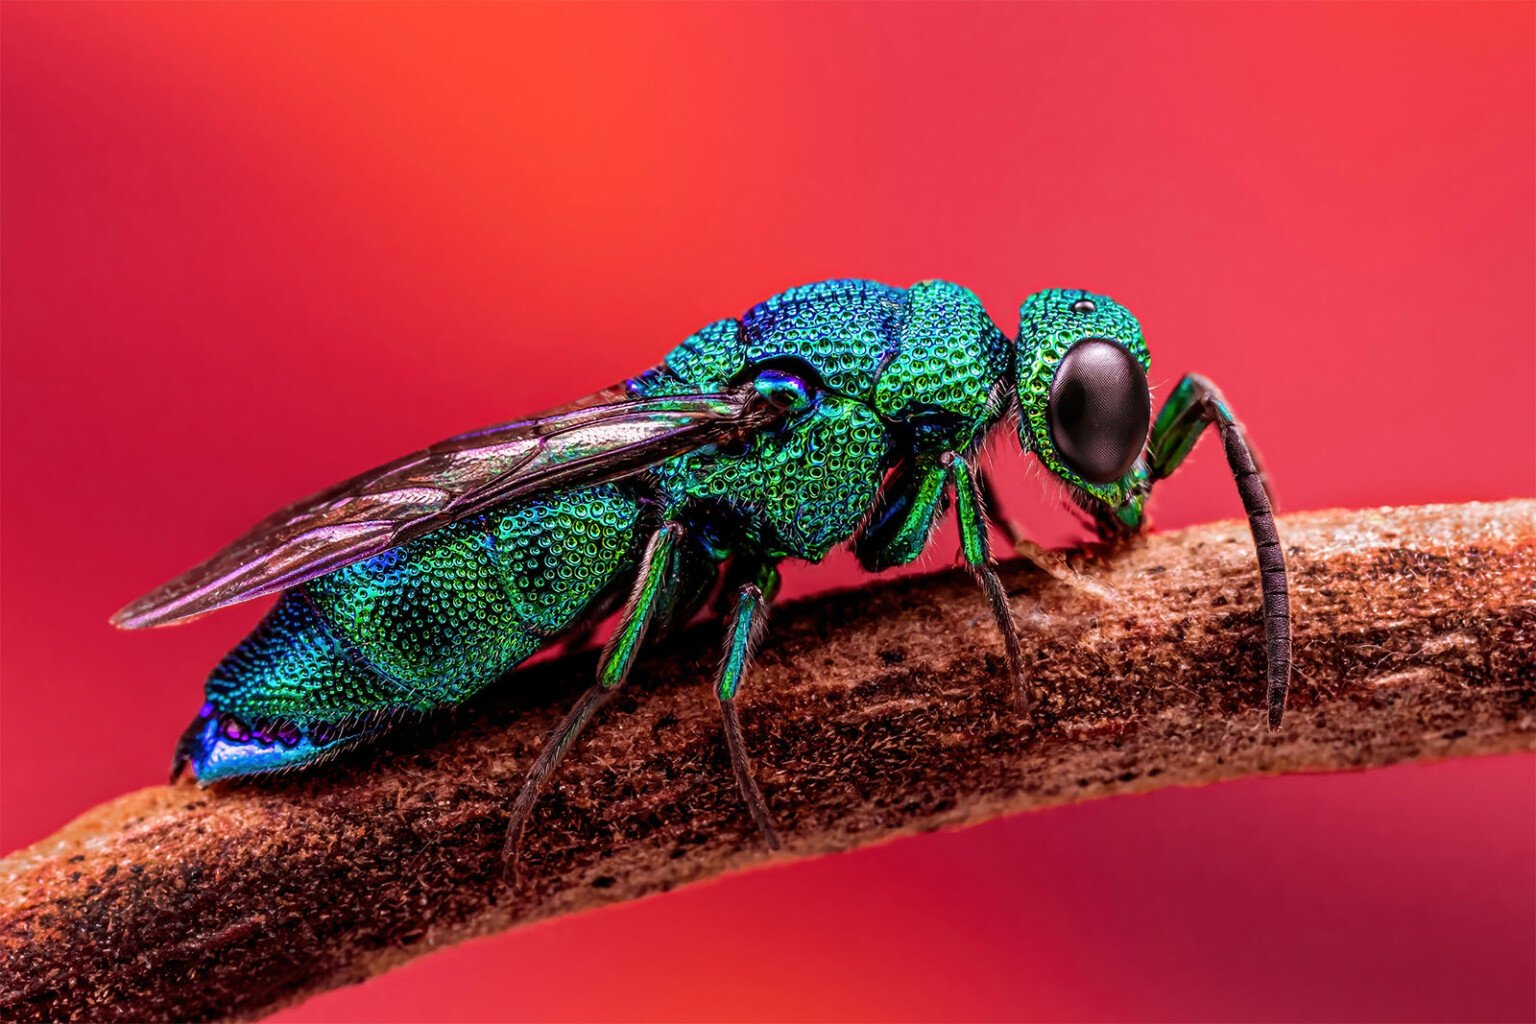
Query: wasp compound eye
[1100, 409]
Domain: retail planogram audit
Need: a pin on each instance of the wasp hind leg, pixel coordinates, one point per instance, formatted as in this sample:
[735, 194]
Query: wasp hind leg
[652, 591]
[745, 628]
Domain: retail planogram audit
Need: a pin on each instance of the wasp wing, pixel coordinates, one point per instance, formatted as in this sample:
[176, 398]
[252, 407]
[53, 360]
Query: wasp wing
[604, 437]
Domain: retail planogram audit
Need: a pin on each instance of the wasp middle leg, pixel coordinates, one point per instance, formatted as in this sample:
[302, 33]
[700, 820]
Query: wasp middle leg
[744, 629]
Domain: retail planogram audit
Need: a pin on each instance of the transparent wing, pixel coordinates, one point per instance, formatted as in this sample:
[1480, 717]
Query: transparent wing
[603, 437]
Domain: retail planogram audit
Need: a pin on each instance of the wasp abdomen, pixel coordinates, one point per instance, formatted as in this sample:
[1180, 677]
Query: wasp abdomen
[418, 627]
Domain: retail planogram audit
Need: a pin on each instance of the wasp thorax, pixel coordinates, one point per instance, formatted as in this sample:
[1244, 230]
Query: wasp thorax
[1100, 409]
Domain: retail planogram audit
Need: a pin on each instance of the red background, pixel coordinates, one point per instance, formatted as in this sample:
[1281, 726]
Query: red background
[251, 249]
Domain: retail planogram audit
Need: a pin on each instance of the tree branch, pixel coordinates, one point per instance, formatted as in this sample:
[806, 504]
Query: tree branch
[872, 713]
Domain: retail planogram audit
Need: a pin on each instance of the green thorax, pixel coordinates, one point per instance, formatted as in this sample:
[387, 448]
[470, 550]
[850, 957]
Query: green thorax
[895, 372]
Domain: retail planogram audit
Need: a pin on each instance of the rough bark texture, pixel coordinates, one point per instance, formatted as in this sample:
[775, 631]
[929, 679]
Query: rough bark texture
[872, 713]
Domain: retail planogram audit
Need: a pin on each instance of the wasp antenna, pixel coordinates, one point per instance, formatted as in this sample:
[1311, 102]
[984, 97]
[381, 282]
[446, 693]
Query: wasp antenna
[1272, 575]
[1191, 407]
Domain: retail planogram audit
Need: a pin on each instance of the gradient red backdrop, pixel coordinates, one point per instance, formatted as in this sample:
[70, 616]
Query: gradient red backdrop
[251, 249]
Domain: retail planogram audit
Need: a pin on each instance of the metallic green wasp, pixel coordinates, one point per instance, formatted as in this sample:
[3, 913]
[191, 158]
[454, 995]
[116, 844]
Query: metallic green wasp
[843, 411]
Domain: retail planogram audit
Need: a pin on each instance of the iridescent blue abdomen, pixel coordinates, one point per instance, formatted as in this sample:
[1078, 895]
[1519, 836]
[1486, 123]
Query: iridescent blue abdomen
[421, 626]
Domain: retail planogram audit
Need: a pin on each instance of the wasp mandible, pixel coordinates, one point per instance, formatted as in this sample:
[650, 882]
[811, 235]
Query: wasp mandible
[842, 411]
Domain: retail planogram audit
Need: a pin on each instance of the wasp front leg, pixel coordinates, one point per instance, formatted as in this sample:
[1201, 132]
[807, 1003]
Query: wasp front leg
[1194, 405]
[1052, 563]
[898, 532]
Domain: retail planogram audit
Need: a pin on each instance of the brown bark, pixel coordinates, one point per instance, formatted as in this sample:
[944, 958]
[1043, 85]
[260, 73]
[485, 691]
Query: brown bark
[872, 713]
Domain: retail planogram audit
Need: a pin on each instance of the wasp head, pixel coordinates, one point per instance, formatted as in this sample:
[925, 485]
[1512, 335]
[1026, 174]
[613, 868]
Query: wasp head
[1084, 403]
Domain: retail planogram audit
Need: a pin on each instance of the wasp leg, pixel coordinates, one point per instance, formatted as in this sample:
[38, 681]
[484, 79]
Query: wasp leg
[908, 504]
[898, 531]
[658, 568]
[1194, 405]
[1052, 563]
[747, 622]
[978, 557]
